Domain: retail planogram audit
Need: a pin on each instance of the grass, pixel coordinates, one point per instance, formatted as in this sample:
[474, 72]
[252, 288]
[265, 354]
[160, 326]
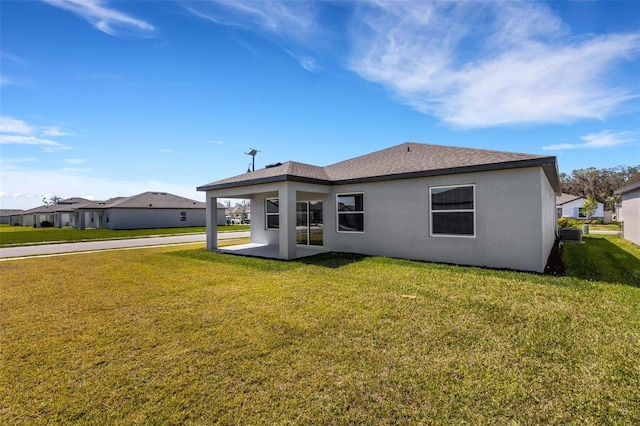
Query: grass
[22, 235]
[183, 336]
[604, 258]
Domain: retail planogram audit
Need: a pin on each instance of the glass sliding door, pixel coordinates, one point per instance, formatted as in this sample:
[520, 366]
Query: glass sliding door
[309, 223]
[315, 223]
[302, 223]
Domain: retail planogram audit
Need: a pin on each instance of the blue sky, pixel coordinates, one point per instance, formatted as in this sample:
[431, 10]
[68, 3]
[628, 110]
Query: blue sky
[113, 98]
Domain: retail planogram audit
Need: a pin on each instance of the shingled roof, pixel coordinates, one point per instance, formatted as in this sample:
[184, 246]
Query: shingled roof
[146, 200]
[407, 160]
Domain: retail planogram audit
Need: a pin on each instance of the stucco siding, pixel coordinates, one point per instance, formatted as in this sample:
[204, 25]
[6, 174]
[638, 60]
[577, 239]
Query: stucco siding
[509, 220]
[152, 218]
[631, 215]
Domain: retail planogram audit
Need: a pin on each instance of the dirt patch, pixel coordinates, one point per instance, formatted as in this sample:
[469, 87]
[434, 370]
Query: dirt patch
[554, 262]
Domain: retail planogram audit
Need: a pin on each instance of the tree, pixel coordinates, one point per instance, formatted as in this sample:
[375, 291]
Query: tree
[51, 200]
[599, 183]
[589, 207]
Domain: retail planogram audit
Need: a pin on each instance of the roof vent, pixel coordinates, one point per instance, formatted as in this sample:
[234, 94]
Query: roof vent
[269, 166]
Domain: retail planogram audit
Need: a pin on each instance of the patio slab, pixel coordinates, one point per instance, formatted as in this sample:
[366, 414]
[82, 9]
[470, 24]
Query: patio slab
[269, 251]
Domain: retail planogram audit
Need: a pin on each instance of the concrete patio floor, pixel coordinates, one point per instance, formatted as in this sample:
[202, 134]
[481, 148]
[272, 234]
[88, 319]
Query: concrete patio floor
[269, 251]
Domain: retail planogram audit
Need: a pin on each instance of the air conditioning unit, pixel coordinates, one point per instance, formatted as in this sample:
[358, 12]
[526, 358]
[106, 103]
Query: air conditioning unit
[571, 235]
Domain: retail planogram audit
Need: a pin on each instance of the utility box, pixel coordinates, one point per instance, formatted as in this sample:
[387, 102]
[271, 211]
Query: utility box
[571, 235]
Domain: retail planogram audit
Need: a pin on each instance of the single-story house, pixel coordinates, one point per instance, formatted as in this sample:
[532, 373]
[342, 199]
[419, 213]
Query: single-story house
[240, 212]
[630, 212]
[568, 205]
[7, 214]
[58, 215]
[415, 201]
[146, 210]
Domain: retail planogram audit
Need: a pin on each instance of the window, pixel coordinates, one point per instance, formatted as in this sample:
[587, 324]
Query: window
[581, 212]
[453, 210]
[350, 212]
[272, 211]
[183, 216]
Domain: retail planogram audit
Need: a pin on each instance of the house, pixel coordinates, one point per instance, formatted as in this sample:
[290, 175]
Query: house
[146, 210]
[458, 205]
[58, 215]
[571, 206]
[629, 213]
[240, 213]
[7, 214]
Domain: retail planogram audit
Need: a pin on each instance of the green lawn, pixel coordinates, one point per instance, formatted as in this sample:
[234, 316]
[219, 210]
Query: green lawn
[15, 235]
[179, 335]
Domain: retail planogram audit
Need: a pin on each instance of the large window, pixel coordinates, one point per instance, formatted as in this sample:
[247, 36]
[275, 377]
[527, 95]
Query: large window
[350, 213]
[453, 210]
[273, 213]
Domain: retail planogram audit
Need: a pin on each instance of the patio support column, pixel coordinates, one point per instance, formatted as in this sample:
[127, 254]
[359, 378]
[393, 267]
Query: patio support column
[287, 237]
[81, 219]
[212, 223]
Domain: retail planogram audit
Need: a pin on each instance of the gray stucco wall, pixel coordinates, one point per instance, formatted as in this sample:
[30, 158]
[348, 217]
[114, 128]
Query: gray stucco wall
[152, 218]
[631, 215]
[515, 219]
[513, 229]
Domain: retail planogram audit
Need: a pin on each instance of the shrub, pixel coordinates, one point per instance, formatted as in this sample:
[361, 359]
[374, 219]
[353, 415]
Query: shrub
[569, 222]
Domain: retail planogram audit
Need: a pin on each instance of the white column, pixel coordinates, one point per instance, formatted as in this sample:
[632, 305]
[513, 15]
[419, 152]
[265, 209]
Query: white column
[212, 223]
[287, 237]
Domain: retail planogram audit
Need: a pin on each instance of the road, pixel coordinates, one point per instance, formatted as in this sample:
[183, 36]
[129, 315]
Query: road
[91, 246]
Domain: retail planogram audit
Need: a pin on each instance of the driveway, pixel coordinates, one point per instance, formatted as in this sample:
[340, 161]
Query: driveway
[90, 246]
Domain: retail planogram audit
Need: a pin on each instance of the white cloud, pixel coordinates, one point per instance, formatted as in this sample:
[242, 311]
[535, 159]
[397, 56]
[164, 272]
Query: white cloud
[18, 132]
[15, 126]
[46, 144]
[491, 63]
[291, 19]
[217, 142]
[23, 188]
[103, 18]
[603, 139]
[75, 160]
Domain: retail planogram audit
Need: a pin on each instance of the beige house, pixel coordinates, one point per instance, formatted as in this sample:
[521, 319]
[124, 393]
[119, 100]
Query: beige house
[458, 205]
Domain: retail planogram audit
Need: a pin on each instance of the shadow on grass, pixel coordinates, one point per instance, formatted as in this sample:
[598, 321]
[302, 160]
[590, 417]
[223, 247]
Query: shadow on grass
[600, 259]
[325, 260]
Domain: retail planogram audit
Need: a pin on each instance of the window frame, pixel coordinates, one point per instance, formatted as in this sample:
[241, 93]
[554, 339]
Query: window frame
[432, 211]
[267, 214]
[338, 212]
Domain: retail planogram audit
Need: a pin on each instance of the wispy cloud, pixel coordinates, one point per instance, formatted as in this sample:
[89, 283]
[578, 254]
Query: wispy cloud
[168, 151]
[217, 142]
[14, 131]
[75, 160]
[104, 18]
[290, 19]
[603, 139]
[486, 64]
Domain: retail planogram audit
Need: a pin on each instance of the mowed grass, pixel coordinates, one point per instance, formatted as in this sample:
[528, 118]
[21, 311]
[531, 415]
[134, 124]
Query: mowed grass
[16, 235]
[605, 258]
[183, 336]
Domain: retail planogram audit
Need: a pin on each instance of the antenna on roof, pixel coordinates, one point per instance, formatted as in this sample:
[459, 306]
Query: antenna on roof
[252, 165]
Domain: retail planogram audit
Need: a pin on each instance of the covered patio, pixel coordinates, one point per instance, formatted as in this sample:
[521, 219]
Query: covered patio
[268, 251]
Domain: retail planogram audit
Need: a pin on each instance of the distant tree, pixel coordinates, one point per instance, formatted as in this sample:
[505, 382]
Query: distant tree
[599, 183]
[51, 200]
[589, 207]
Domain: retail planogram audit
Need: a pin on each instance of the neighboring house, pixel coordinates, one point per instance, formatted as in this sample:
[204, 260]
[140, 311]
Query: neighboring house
[571, 206]
[7, 214]
[630, 212]
[240, 213]
[146, 210]
[416, 201]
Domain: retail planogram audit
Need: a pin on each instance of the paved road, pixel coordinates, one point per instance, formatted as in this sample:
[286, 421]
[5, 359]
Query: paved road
[90, 246]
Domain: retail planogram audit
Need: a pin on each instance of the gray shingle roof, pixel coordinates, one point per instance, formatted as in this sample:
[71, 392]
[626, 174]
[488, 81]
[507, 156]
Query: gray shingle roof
[398, 162]
[147, 200]
[565, 198]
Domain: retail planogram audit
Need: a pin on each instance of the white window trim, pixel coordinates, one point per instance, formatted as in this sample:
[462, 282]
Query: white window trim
[267, 214]
[431, 211]
[338, 213]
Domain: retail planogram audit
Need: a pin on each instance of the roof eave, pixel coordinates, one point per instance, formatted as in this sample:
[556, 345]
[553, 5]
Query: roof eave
[259, 181]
